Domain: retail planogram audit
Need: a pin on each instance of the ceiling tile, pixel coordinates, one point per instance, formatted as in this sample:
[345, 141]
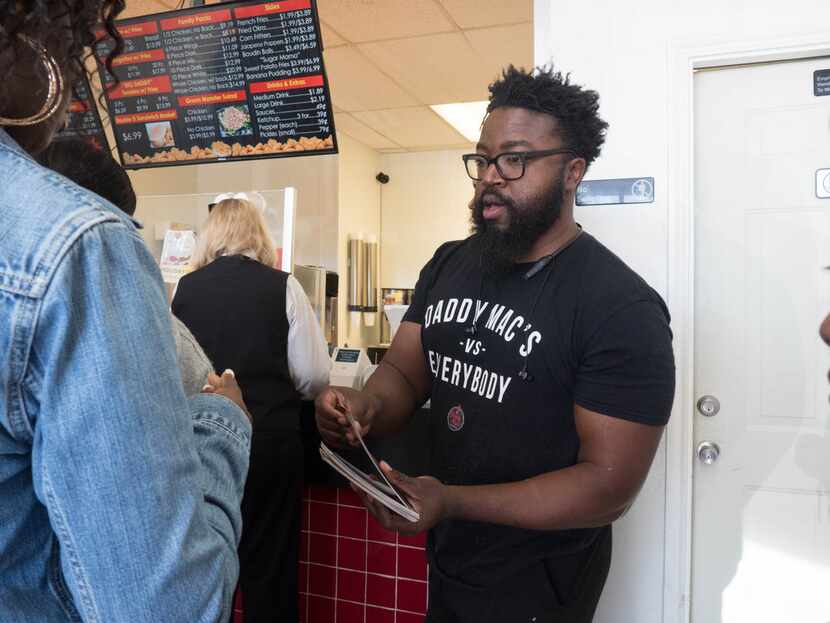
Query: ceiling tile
[371, 20]
[439, 69]
[500, 46]
[413, 128]
[330, 38]
[136, 8]
[479, 13]
[347, 124]
[356, 84]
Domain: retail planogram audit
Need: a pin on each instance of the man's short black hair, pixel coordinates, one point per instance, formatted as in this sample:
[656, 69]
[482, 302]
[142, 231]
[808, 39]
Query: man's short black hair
[576, 110]
[92, 168]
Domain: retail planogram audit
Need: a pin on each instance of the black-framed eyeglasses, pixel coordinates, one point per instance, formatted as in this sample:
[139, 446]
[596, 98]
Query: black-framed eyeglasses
[511, 165]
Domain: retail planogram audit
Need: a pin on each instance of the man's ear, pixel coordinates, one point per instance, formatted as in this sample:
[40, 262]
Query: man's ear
[574, 172]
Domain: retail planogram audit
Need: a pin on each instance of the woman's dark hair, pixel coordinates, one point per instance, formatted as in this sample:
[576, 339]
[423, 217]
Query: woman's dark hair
[576, 110]
[92, 168]
[67, 28]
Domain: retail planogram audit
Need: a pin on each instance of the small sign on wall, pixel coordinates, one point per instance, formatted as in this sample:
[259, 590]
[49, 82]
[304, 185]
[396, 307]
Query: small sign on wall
[821, 82]
[612, 192]
[823, 183]
[176, 253]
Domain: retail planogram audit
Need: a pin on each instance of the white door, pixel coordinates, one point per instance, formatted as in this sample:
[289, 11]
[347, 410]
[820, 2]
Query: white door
[761, 526]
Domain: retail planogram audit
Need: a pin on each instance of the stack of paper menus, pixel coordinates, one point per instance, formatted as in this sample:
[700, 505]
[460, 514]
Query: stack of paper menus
[381, 491]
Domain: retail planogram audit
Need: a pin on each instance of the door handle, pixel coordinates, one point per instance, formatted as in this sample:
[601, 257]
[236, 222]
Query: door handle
[708, 452]
[708, 406]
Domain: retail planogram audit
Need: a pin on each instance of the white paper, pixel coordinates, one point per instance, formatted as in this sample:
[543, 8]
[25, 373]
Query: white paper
[377, 490]
[176, 254]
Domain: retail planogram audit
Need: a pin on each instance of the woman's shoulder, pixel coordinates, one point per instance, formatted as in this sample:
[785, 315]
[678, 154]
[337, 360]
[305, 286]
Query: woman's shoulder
[44, 194]
[265, 271]
[43, 214]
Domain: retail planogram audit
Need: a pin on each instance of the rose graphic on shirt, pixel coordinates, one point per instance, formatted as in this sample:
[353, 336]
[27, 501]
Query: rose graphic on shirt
[455, 419]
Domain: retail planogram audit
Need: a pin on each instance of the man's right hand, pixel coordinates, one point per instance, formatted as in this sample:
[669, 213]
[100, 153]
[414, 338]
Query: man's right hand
[331, 407]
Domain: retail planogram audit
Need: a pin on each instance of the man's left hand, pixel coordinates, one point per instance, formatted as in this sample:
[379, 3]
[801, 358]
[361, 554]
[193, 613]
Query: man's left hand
[427, 495]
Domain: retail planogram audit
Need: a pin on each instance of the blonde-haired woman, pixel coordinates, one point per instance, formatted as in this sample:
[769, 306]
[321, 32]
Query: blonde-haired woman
[234, 227]
[256, 320]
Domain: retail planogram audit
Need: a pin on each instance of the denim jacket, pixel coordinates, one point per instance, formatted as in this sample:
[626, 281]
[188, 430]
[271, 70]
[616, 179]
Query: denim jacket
[119, 496]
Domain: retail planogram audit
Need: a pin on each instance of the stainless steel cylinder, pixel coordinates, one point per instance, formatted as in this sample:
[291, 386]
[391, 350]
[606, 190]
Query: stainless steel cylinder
[357, 277]
[370, 302]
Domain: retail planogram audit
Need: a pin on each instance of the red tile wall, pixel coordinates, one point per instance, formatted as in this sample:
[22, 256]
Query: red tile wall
[354, 571]
[237, 607]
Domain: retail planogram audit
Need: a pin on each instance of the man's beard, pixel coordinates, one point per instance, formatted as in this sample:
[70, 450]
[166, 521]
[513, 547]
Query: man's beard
[502, 248]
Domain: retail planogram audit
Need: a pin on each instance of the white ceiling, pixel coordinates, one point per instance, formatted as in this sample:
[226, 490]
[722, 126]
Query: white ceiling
[389, 60]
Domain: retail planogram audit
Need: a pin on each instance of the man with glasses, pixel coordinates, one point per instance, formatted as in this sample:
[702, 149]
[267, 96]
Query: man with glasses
[549, 367]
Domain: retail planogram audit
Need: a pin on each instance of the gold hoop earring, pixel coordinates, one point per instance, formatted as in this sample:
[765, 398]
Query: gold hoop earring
[53, 96]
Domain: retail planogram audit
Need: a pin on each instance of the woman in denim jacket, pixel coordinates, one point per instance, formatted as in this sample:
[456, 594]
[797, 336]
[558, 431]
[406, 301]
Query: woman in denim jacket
[119, 496]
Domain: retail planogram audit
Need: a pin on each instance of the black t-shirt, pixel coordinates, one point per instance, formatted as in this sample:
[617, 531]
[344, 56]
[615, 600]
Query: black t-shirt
[585, 328]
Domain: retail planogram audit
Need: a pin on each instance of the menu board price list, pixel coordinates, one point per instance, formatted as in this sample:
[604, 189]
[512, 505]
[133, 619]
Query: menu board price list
[82, 121]
[164, 102]
[203, 53]
[300, 47]
[152, 42]
[299, 19]
[288, 36]
[129, 137]
[291, 107]
[225, 81]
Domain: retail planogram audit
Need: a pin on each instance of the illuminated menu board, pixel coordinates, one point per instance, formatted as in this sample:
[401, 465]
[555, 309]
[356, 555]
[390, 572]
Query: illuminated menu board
[82, 119]
[232, 81]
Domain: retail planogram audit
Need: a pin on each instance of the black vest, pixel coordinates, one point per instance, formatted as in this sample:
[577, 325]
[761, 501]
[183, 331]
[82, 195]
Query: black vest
[235, 307]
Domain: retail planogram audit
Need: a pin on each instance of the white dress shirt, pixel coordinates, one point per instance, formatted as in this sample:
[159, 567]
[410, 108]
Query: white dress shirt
[308, 353]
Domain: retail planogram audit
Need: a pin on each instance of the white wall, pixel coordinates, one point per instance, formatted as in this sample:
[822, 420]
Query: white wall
[359, 199]
[624, 50]
[621, 49]
[424, 204]
[315, 177]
